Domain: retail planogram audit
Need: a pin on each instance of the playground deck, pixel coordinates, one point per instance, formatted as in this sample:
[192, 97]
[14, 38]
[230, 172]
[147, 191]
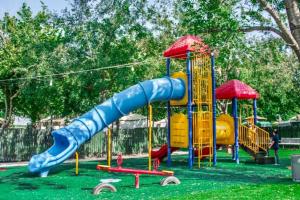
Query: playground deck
[226, 181]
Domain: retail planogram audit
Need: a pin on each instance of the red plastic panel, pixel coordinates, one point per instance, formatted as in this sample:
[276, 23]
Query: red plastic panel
[162, 152]
[236, 89]
[184, 44]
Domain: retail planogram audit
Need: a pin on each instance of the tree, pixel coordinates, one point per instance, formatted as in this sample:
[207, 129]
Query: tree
[269, 70]
[26, 44]
[279, 14]
[244, 58]
[96, 34]
[101, 34]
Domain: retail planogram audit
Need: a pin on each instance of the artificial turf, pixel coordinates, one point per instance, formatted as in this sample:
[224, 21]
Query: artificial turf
[225, 181]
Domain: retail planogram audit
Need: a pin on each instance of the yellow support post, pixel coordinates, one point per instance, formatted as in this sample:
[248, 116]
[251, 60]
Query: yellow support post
[240, 120]
[76, 163]
[108, 146]
[199, 146]
[150, 136]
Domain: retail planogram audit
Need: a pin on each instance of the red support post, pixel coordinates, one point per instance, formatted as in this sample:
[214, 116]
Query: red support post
[137, 181]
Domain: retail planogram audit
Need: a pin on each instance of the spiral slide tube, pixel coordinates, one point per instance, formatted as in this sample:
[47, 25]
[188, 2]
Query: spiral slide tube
[68, 139]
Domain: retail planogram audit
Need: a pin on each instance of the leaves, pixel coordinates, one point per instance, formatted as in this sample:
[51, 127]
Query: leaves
[98, 34]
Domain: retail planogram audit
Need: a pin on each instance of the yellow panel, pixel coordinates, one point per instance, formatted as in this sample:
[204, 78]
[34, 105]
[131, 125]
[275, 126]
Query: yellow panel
[179, 131]
[184, 100]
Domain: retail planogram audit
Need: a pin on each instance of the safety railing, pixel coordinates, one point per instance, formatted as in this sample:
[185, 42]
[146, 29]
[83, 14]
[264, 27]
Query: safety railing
[263, 138]
[254, 138]
[249, 138]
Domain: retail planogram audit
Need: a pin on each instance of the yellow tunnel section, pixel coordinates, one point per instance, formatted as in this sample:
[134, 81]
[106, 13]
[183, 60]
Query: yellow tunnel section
[179, 130]
[225, 129]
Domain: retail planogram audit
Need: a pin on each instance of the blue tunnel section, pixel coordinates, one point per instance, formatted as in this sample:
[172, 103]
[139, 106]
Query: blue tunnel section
[68, 139]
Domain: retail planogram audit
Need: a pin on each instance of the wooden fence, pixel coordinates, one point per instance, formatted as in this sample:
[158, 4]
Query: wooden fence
[21, 144]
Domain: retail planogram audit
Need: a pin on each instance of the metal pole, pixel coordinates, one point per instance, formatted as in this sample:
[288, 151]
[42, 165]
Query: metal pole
[232, 114]
[108, 146]
[214, 109]
[236, 129]
[254, 111]
[168, 64]
[76, 163]
[150, 137]
[189, 109]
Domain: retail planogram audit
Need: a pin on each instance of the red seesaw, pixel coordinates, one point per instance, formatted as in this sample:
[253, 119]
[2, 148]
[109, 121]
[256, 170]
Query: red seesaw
[169, 174]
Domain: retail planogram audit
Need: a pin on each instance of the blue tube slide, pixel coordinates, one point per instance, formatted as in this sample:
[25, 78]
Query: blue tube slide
[68, 139]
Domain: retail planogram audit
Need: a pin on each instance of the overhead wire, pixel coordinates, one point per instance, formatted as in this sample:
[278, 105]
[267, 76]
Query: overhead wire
[125, 65]
[58, 75]
[75, 72]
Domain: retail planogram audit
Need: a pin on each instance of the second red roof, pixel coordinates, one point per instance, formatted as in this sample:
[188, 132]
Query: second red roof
[236, 89]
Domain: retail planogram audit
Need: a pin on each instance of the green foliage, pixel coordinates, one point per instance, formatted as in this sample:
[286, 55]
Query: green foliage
[102, 35]
[28, 48]
[270, 70]
[265, 64]
[98, 34]
[217, 24]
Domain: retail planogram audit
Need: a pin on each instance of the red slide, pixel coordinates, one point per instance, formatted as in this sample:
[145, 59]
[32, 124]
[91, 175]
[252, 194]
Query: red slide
[162, 152]
[205, 152]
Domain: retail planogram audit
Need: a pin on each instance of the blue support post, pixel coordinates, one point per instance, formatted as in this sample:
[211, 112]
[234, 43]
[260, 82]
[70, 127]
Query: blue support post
[214, 109]
[189, 109]
[236, 130]
[232, 114]
[168, 64]
[254, 111]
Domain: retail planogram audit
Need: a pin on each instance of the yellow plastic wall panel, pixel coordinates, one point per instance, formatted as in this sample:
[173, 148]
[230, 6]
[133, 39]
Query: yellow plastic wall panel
[179, 131]
[184, 100]
[225, 130]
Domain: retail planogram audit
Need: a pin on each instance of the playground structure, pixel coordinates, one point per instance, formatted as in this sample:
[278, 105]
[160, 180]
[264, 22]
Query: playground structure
[251, 138]
[200, 131]
[193, 130]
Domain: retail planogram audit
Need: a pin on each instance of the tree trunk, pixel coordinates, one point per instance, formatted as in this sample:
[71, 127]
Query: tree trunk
[293, 15]
[118, 126]
[297, 52]
[9, 98]
[292, 9]
[223, 106]
[8, 113]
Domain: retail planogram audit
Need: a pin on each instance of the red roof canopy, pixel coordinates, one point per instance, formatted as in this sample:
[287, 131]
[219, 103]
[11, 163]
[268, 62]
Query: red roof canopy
[184, 44]
[236, 88]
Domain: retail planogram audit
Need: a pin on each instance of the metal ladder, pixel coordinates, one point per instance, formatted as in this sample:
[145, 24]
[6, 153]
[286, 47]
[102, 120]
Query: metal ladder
[202, 101]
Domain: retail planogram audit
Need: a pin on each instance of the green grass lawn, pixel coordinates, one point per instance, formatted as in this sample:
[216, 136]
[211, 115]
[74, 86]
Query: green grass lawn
[226, 181]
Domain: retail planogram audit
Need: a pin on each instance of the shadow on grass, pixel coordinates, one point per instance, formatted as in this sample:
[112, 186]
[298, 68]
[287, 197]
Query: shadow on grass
[54, 185]
[246, 172]
[17, 179]
[27, 186]
[24, 181]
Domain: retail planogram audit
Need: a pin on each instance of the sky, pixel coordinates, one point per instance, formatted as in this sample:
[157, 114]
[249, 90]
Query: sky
[12, 6]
